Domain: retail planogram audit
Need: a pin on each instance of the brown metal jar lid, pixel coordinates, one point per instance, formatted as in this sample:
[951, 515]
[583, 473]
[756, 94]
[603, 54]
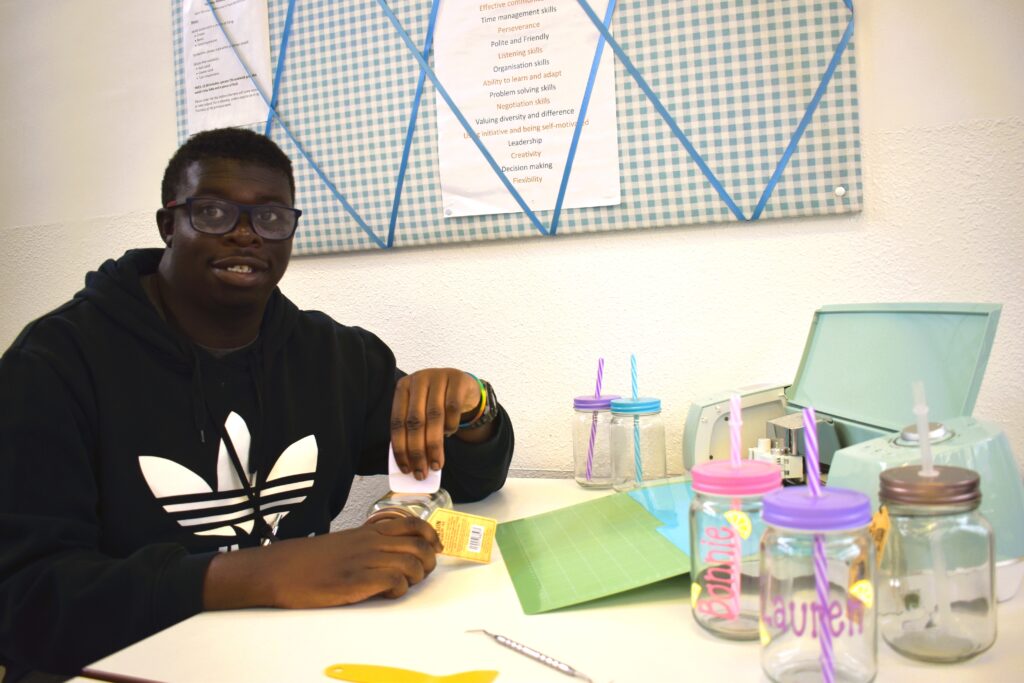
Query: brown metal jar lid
[951, 486]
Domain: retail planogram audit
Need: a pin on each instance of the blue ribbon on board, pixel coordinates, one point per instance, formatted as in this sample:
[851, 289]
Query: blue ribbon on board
[580, 119]
[305, 155]
[282, 51]
[427, 42]
[691, 150]
[425, 68]
[808, 115]
[660, 108]
[605, 37]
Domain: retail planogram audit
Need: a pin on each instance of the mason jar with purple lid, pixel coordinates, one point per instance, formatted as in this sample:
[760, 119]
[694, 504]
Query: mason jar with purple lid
[591, 446]
[818, 615]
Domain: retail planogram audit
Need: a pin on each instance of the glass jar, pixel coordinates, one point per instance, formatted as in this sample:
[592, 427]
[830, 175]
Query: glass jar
[936, 588]
[725, 532]
[591, 445]
[817, 586]
[637, 441]
[395, 505]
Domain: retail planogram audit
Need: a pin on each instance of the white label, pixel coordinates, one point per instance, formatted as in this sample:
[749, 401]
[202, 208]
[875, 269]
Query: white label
[407, 483]
[476, 535]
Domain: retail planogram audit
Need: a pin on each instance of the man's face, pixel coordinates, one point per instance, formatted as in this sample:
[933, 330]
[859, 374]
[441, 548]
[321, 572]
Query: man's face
[240, 268]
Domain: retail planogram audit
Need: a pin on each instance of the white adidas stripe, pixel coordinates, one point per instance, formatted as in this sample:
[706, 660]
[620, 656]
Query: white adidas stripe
[225, 507]
[225, 502]
[240, 514]
[204, 504]
[281, 488]
[228, 517]
[278, 504]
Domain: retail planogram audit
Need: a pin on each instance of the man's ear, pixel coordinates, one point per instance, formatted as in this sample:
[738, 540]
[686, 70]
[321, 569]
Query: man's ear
[165, 224]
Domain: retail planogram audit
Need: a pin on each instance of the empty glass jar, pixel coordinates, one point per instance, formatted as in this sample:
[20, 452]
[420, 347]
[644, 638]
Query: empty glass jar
[395, 505]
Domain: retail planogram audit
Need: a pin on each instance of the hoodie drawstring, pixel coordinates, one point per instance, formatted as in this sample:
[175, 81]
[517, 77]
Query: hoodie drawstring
[199, 409]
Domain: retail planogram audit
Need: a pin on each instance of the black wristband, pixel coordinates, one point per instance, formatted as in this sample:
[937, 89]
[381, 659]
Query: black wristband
[490, 408]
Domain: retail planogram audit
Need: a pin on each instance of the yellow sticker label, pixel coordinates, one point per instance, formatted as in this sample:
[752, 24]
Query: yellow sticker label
[864, 591]
[763, 632]
[740, 521]
[879, 530]
[694, 594]
[467, 536]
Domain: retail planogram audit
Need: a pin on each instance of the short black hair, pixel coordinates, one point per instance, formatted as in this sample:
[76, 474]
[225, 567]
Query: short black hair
[238, 144]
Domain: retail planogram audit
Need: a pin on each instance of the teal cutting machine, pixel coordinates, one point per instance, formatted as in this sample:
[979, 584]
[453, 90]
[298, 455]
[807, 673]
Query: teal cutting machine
[858, 366]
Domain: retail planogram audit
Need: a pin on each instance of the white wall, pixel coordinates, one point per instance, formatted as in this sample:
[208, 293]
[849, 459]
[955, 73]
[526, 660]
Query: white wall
[87, 115]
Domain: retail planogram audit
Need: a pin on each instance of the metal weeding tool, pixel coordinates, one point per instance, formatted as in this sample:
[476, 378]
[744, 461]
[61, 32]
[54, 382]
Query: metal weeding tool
[533, 654]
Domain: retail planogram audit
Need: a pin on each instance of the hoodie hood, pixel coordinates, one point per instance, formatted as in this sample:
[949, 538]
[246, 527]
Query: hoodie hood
[116, 290]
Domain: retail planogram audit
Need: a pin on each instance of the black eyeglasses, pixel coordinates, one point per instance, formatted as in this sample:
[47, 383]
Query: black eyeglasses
[220, 216]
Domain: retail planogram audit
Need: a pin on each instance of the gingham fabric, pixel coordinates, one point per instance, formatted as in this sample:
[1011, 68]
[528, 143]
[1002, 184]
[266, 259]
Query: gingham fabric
[736, 75]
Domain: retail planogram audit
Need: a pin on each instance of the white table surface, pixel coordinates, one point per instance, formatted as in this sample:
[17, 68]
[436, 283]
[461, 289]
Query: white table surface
[644, 636]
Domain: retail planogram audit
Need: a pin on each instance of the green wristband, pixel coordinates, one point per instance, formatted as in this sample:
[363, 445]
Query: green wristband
[488, 405]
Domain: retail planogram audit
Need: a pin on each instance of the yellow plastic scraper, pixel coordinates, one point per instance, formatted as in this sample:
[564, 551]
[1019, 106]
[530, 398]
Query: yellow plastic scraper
[371, 673]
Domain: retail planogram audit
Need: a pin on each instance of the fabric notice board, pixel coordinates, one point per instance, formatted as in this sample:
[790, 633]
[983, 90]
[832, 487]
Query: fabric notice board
[732, 110]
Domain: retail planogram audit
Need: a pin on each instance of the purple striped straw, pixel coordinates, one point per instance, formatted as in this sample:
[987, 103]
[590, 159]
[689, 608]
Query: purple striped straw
[811, 454]
[593, 423]
[637, 460]
[821, 585]
[735, 423]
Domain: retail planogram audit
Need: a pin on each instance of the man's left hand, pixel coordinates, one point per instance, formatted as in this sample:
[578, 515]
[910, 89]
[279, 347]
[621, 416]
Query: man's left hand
[428, 406]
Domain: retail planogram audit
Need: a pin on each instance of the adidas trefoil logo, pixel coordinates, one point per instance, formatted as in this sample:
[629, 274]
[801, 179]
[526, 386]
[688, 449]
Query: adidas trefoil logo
[227, 511]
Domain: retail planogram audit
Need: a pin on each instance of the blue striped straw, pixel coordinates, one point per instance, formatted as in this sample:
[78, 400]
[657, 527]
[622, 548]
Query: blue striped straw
[632, 371]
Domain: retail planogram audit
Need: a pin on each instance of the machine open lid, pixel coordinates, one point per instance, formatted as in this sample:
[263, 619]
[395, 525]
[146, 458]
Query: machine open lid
[860, 361]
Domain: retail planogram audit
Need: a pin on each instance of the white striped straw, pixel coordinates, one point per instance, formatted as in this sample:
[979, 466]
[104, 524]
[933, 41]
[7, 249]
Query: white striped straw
[735, 423]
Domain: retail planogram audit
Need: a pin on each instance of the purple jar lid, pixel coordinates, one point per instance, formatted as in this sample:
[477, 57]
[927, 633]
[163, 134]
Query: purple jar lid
[602, 402]
[835, 509]
[751, 478]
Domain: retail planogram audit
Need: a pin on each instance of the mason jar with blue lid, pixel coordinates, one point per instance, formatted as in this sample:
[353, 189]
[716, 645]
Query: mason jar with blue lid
[637, 434]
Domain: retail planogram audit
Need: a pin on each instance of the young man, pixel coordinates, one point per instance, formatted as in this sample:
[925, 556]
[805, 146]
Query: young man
[180, 406]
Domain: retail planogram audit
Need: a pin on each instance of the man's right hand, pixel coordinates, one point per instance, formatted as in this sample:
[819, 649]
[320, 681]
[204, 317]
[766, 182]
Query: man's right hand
[340, 568]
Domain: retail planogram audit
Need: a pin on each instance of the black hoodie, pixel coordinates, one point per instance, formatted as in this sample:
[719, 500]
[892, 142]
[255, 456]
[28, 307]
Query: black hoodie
[117, 483]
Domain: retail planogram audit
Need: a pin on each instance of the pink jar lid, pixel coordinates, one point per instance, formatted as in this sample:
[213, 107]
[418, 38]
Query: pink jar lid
[751, 478]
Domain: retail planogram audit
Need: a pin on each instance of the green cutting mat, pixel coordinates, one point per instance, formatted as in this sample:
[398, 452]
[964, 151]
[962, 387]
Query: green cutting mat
[586, 551]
